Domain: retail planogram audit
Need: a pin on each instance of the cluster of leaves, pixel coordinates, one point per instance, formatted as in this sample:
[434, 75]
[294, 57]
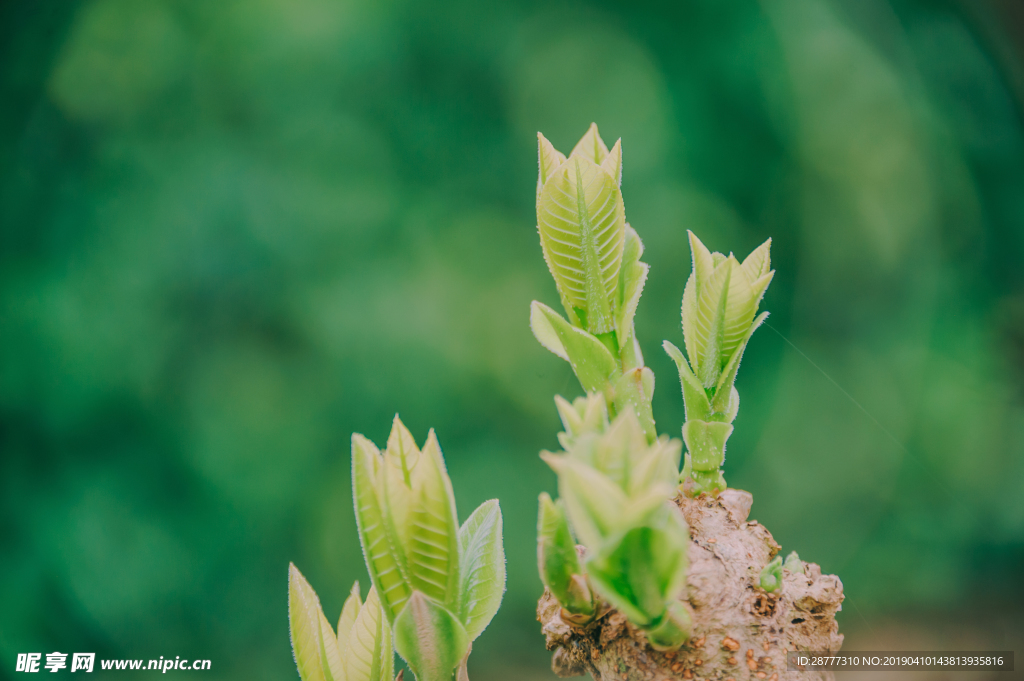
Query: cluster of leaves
[440, 584]
[360, 651]
[436, 585]
[616, 477]
[616, 490]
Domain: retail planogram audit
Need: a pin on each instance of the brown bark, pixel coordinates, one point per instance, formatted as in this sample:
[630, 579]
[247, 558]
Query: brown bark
[739, 630]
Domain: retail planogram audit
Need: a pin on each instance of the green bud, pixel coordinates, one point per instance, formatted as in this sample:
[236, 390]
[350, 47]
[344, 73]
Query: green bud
[441, 584]
[720, 302]
[581, 220]
[771, 576]
[793, 563]
[405, 508]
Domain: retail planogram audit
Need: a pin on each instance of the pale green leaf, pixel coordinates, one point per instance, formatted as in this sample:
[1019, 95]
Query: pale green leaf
[304, 626]
[378, 549]
[596, 505]
[590, 146]
[591, 361]
[369, 647]
[723, 391]
[544, 332]
[430, 639]
[759, 286]
[401, 470]
[634, 275]
[349, 612]
[482, 567]
[757, 264]
[741, 304]
[556, 555]
[432, 540]
[703, 261]
[581, 220]
[690, 321]
[612, 163]
[695, 399]
[330, 658]
[711, 309]
[549, 159]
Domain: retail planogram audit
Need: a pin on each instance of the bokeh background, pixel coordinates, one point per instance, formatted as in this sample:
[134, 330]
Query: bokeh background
[232, 233]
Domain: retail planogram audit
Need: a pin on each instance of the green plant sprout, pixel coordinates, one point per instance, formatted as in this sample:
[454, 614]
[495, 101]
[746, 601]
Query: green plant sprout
[594, 257]
[770, 578]
[719, 303]
[361, 649]
[439, 584]
[615, 477]
[616, 491]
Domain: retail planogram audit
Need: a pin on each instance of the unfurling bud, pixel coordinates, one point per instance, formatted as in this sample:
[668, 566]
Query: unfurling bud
[362, 649]
[616, 490]
[594, 257]
[770, 578]
[582, 225]
[720, 302]
[441, 584]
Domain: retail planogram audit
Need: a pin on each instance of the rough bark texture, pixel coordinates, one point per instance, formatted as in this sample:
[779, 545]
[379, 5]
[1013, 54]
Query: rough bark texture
[739, 630]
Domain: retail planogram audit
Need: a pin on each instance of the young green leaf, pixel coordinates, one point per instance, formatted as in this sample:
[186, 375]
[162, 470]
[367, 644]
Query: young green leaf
[633, 275]
[482, 567]
[431, 544]
[711, 311]
[430, 639]
[581, 220]
[560, 569]
[595, 503]
[725, 383]
[370, 656]
[757, 264]
[544, 331]
[330, 659]
[584, 415]
[590, 359]
[695, 399]
[349, 612]
[378, 547]
[304, 614]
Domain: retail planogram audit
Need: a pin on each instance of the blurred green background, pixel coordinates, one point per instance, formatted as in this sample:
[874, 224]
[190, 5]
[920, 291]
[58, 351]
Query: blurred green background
[234, 232]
